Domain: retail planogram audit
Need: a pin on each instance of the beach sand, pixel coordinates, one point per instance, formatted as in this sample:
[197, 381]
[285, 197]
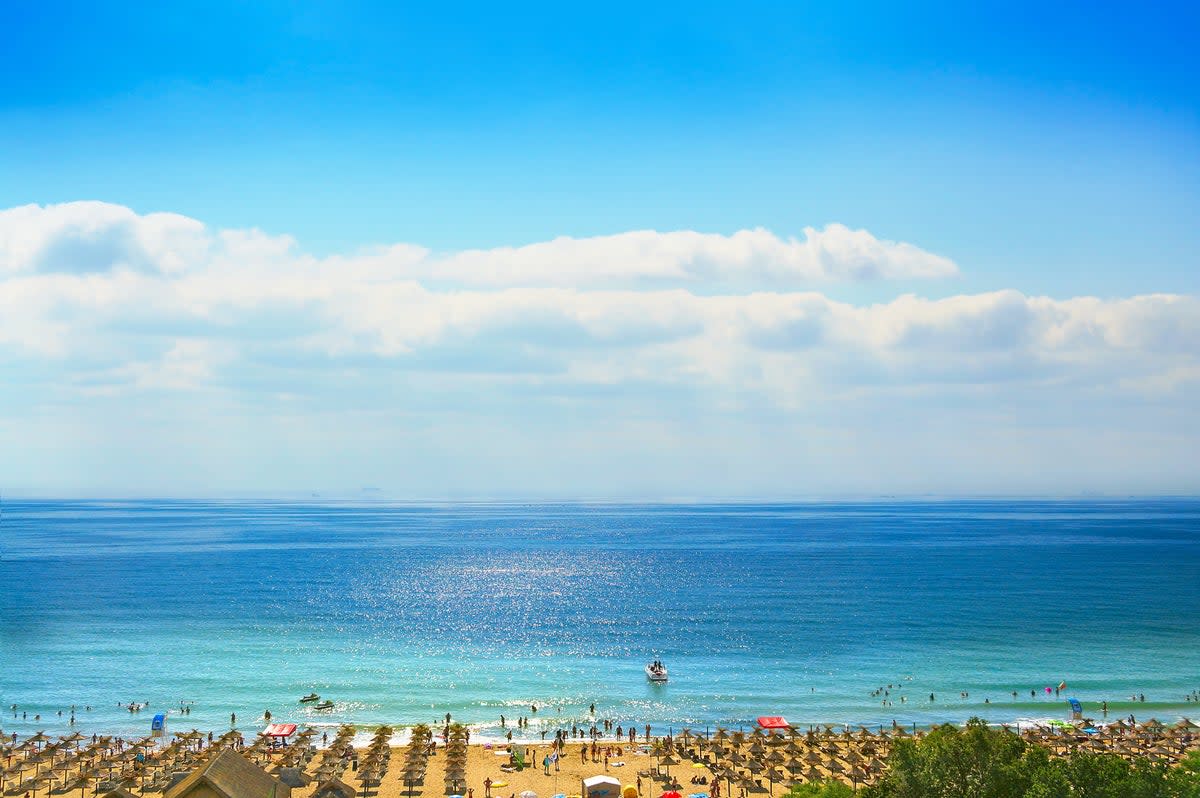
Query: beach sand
[854, 757]
[484, 761]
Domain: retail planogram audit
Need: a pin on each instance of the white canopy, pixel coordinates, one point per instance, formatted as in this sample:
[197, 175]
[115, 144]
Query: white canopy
[601, 787]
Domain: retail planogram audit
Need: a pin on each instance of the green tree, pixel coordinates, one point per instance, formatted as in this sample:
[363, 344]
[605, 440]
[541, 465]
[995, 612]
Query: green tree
[1185, 778]
[979, 762]
[972, 762]
[1091, 775]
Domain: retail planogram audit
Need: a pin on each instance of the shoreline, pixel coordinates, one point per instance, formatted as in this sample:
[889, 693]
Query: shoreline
[479, 733]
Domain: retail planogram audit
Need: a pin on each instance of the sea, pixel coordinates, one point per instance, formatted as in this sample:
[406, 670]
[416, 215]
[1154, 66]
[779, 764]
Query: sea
[862, 613]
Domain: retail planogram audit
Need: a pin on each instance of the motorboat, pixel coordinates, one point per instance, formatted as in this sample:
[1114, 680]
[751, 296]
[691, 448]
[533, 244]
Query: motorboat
[308, 699]
[323, 705]
[656, 671]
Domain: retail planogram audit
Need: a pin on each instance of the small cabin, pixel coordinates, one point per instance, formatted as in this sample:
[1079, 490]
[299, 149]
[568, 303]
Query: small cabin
[158, 726]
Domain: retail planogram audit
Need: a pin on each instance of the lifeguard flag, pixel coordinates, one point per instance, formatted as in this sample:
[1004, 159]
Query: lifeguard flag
[1062, 685]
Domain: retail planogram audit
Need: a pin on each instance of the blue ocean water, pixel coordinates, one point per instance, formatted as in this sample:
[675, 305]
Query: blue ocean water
[401, 613]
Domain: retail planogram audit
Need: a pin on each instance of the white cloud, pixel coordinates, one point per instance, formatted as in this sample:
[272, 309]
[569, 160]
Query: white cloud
[691, 258]
[707, 336]
[85, 237]
[141, 292]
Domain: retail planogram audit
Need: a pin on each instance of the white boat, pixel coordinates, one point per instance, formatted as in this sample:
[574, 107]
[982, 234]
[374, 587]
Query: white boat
[656, 672]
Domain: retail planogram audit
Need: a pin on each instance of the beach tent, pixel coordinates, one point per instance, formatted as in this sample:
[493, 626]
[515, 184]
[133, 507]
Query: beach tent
[281, 730]
[229, 775]
[601, 787]
[773, 722]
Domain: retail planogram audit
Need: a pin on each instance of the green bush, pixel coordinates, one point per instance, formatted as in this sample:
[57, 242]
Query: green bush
[821, 789]
[1185, 779]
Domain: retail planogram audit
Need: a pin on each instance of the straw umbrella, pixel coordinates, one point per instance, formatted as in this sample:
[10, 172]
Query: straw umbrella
[668, 760]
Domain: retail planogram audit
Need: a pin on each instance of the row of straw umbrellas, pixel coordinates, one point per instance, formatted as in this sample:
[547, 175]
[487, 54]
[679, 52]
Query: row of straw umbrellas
[42, 764]
[1153, 740]
[416, 756]
[758, 761]
[373, 765]
[456, 759]
[337, 756]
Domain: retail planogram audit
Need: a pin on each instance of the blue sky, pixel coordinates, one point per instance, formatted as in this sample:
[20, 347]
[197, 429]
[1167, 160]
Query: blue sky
[1047, 151]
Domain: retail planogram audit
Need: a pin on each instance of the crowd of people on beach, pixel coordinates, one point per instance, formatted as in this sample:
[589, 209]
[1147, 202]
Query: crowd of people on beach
[598, 728]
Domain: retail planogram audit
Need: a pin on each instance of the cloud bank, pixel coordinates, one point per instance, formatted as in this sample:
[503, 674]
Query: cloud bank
[99, 302]
[90, 237]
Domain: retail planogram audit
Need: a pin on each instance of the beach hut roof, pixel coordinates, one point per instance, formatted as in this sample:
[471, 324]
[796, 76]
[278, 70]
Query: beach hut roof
[231, 775]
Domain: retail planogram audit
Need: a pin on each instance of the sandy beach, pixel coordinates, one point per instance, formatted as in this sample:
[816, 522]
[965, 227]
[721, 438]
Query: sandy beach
[485, 762]
[730, 763]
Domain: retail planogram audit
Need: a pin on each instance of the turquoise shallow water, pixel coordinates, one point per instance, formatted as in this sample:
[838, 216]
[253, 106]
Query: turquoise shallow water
[401, 613]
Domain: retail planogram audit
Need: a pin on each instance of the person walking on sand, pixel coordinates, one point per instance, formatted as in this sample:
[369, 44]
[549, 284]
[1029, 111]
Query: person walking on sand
[487, 788]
